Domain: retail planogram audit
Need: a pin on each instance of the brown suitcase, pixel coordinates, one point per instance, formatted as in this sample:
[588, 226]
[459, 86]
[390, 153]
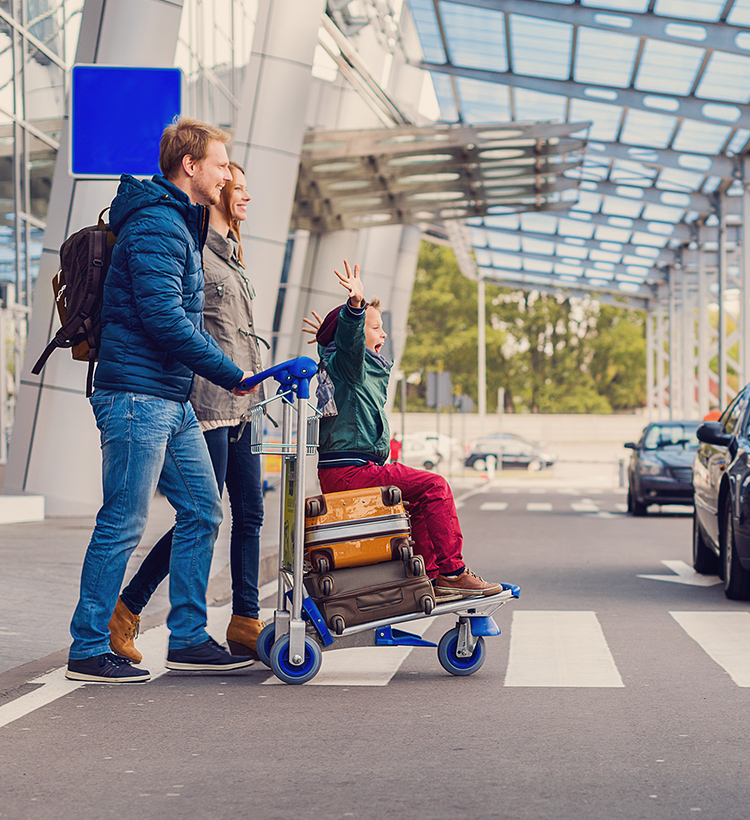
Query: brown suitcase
[356, 528]
[358, 595]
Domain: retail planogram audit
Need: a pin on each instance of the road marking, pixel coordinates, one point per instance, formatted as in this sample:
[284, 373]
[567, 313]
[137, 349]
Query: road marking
[540, 506]
[724, 637]
[556, 648]
[621, 507]
[494, 505]
[363, 665]
[585, 505]
[685, 575]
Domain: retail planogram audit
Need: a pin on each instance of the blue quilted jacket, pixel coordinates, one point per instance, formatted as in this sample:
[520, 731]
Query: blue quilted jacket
[153, 339]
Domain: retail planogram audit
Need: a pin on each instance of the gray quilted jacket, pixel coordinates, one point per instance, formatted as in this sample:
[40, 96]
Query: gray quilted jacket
[228, 317]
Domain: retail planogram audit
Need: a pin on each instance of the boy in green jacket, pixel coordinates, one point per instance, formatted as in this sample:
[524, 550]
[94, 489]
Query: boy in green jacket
[354, 438]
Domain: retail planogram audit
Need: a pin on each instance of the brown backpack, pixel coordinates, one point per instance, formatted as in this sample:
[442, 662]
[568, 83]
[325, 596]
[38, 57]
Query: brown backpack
[78, 287]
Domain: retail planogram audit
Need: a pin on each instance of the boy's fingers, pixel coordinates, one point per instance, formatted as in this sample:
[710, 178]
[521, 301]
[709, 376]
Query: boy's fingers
[317, 316]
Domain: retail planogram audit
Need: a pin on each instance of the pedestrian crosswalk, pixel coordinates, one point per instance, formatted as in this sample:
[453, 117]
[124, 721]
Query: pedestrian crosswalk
[593, 503]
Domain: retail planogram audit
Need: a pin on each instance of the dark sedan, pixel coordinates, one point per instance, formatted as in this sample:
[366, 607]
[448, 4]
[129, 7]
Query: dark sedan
[508, 450]
[661, 465]
[721, 481]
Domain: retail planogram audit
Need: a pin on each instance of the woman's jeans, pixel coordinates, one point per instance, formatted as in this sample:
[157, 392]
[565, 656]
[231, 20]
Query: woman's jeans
[235, 465]
[148, 442]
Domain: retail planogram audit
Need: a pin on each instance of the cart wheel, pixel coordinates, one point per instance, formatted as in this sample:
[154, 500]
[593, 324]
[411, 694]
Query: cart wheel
[265, 641]
[286, 671]
[338, 624]
[416, 565]
[323, 564]
[326, 586]
[427, 603]
[451, 662]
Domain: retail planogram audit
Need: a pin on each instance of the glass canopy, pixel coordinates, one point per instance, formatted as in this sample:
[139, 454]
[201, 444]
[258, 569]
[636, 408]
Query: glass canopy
[665, 86]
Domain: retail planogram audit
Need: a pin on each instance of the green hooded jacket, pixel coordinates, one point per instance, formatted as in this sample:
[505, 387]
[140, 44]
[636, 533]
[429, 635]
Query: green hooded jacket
[359, 433]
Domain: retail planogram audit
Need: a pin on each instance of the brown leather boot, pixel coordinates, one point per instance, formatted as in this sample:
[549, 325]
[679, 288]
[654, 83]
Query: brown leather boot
[123, 629]
[242, 635]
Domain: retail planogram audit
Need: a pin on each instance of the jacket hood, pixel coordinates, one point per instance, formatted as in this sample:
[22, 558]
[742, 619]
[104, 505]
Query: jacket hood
[135, 194]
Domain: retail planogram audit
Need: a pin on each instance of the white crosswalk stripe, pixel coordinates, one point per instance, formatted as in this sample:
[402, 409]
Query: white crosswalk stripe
[724, 637]
[494, 506]
[559, 649]
[540, 506]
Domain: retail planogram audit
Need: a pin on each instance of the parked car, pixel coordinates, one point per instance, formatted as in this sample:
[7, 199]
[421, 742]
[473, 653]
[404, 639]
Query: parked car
[661, 465]
[427, 449]
[507, 450]
[721, 483]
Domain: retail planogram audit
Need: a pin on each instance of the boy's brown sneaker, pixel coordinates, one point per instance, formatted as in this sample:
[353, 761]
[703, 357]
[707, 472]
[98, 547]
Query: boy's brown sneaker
[466, 585]
[123, 630]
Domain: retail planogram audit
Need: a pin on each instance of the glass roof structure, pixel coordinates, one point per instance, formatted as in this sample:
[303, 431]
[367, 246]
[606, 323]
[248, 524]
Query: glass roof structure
[665, 85]
[409, 175]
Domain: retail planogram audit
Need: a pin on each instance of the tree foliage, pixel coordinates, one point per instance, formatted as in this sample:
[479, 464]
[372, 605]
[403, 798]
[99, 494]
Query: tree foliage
[550, 352]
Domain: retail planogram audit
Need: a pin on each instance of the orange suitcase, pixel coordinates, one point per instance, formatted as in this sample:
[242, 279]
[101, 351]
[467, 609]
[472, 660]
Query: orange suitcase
[356, 528]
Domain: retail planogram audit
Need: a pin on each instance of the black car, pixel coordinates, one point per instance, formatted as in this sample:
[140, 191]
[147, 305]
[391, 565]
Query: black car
[507, 450]
[661, 465]
[721, 482]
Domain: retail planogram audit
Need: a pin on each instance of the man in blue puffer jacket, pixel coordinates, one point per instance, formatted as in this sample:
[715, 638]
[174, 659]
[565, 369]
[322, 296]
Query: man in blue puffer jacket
[152, 344]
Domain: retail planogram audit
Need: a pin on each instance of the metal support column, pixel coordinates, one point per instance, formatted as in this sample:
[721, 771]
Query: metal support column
[651, 414]
[722, 328]
[481, 353]
[704, 339]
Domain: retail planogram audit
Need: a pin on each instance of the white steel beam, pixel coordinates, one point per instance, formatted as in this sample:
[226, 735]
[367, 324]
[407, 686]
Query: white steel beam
[675, 105]
[720, 36]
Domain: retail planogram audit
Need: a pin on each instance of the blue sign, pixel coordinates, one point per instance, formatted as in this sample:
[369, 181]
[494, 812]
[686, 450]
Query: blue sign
[117, 116]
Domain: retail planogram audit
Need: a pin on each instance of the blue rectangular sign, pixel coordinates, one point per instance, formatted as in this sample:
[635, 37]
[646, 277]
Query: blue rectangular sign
[117, 115]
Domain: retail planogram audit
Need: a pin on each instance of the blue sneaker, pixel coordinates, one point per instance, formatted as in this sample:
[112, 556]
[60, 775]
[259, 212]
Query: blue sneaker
[106, 668]
[206, 657]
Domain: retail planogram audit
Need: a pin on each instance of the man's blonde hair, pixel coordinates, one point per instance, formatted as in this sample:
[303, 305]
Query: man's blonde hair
[186, 136]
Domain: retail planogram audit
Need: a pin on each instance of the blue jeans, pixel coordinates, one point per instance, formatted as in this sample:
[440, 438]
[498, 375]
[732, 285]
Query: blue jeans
[148, 443]
[236, 466]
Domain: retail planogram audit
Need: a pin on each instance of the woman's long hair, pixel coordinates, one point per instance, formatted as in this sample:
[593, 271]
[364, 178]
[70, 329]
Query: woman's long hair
[225, 203]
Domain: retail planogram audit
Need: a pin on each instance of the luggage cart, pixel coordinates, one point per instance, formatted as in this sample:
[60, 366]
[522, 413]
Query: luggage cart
[293, 644]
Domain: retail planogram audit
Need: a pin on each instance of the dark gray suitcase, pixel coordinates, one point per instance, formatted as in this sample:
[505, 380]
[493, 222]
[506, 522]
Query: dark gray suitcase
[358, 595]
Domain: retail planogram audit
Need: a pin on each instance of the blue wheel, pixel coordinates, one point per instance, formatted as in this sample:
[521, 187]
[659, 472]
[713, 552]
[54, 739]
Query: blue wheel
[286, 671]
[265, 642]
[453, 663]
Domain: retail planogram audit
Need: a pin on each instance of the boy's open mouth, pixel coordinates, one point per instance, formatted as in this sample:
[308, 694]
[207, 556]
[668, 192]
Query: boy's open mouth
[378, 348]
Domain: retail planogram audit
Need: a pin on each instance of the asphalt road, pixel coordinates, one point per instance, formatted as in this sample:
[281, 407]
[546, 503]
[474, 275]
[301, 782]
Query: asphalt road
[608, 696]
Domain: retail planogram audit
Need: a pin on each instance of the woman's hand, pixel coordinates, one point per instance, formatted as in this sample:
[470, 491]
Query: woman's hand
[314, 326]
[351, 281]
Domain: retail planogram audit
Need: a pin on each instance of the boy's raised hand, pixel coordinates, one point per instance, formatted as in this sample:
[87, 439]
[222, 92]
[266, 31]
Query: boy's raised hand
[315, 324]
[351, 281]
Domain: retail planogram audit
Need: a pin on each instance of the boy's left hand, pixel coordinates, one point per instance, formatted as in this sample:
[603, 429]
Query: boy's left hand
[351, 281]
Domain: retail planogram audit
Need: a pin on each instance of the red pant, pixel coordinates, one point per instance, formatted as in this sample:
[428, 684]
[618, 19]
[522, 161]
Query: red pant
[434, 520]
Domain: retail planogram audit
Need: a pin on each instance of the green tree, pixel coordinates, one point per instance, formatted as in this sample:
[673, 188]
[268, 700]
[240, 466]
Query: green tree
[551, 353]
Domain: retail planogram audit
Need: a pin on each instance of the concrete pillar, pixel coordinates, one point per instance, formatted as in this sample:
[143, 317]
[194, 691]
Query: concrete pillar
[268, 139]
[650, 354]
[54, 450]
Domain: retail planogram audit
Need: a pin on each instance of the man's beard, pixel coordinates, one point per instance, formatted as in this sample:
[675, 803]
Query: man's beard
[206, 194]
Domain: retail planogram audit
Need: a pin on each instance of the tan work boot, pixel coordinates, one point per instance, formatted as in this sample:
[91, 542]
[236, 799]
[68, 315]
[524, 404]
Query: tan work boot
[466, 585]
[123, 629]
[242, 635]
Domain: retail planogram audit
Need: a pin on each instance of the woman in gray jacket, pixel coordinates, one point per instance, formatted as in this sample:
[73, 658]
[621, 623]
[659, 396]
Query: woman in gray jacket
[228, 317]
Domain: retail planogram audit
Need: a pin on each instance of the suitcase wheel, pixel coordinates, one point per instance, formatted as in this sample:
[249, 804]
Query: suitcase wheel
[320, 560]
[326, 586]
[314, 506]
[391, 496]
[416, 565]
[403, 552]
[427, 603]
[338, 625]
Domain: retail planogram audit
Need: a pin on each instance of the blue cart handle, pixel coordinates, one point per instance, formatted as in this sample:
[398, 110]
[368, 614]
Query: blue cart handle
[292, 375]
